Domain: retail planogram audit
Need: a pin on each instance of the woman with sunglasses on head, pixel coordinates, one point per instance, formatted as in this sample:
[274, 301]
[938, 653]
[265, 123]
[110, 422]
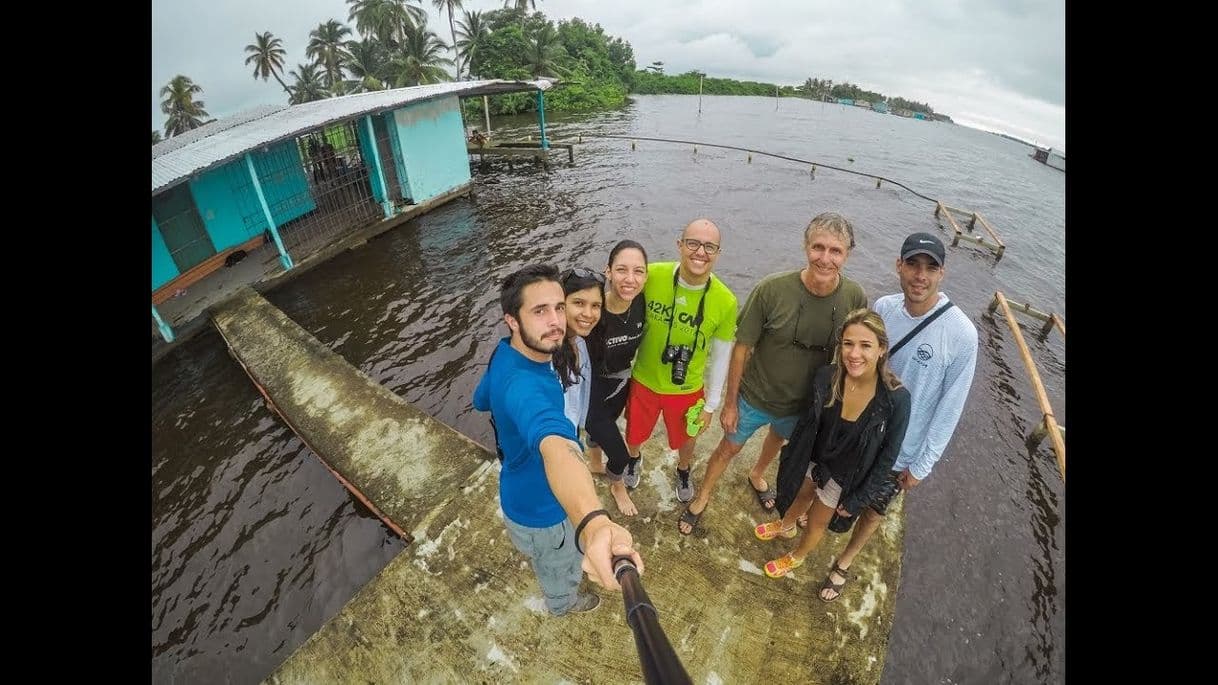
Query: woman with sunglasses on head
[584, 299]
[612, 345]
[840, 456]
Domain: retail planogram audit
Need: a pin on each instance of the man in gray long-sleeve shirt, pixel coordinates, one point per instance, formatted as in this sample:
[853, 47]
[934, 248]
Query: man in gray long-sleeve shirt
[936, 365]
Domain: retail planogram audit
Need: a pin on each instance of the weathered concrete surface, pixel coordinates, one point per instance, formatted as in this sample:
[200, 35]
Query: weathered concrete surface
[399, 458]
[462, 605]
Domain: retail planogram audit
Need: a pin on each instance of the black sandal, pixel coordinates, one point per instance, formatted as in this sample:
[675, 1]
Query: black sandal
[830, 585]
[690, 518]
[765, 497]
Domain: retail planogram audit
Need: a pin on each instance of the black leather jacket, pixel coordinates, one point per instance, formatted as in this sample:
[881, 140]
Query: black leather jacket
[880, 442]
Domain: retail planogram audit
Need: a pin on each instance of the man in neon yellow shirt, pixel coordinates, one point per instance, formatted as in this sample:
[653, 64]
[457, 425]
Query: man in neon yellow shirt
[690, 326]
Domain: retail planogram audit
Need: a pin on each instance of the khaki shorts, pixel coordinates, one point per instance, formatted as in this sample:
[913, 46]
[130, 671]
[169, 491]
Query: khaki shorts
[830, 493]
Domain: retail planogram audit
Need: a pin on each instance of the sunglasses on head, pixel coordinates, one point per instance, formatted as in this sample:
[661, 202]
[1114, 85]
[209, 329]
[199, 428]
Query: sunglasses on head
[582, 272]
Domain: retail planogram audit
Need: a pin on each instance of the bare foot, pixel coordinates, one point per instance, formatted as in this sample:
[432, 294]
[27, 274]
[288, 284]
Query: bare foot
[596, 461]
[622, 496]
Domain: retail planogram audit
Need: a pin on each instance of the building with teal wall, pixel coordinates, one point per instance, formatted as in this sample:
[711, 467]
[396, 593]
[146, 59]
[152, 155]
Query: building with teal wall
[277, 173]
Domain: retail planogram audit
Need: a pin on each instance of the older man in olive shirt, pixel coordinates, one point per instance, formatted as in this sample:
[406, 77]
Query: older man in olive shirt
[786, 332]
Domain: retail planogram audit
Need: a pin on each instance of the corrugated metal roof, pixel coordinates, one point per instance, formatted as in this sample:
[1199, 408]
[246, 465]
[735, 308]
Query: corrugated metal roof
[224, 140]
[184, 139]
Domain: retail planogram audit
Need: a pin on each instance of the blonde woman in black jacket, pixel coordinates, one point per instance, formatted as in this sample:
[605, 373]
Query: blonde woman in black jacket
[841, 453]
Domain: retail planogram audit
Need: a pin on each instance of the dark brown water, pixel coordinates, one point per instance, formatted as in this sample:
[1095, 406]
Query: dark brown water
[255, 545]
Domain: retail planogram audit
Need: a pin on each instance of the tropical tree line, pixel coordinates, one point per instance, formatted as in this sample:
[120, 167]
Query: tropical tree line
[823, 89]
[388, 44]
[596, 69]
[653, 81]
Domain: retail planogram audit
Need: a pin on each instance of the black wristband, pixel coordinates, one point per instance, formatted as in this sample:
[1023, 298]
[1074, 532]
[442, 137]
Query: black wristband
[580, 528]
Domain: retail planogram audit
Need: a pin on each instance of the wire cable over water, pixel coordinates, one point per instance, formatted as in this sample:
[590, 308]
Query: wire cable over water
[763, 152]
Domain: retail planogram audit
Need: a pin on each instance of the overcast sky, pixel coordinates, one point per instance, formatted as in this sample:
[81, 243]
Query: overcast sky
[999, 65]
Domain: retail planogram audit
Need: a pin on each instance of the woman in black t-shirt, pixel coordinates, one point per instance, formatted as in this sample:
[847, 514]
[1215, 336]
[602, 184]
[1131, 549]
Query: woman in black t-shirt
[841, 452]
[611, 346]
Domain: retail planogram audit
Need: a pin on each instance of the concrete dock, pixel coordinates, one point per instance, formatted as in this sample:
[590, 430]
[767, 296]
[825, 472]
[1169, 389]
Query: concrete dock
[460, 604]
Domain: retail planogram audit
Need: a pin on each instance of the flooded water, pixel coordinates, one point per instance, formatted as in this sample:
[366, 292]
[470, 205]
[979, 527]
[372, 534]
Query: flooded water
[255, 544]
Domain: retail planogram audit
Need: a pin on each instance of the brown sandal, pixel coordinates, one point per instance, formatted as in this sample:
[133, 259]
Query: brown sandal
[830, 585]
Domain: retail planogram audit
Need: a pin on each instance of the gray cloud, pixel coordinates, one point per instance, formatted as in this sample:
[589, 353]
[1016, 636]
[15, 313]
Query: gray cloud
[995, 64]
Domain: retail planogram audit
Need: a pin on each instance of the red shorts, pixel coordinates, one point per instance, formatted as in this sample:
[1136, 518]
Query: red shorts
[644, 406]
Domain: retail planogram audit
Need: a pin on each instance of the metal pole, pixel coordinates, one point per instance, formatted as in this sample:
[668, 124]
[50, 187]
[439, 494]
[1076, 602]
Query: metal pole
[386, 205]
[658, 659]
[166, 331]
[486, 109]
[284, 258]
[541, 118]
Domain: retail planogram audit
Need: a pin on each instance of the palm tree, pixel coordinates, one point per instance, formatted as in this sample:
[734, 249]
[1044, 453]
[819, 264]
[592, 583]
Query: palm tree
[326, 47]
[520, 4]
[156, 137]
[451, 6]
[544, 48]
[473, 35]
[180, 106]
[308, 86]
[266, 53]
[419, 58]
[368, 65]
[384, 19]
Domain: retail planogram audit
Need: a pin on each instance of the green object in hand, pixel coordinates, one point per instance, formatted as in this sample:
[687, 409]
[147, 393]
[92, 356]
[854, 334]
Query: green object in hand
[692, 422]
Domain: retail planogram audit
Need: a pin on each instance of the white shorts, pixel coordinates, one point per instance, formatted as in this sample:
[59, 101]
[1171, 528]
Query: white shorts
[828, 495]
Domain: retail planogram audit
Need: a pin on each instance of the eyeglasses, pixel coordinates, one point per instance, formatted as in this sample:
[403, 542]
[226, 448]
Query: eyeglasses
[828, 346]
[582, 272]
[692, 245]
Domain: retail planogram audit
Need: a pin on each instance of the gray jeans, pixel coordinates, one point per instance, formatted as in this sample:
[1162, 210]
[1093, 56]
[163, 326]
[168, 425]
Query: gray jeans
[556, 562]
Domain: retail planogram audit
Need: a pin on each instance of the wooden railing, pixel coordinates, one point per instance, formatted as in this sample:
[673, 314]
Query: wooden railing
[996, 246]
[1048, 426]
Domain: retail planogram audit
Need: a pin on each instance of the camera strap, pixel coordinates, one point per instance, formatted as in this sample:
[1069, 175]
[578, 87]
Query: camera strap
[919, 327]
[697, 317]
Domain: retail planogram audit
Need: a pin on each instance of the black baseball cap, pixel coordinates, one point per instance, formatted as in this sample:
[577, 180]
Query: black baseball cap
[924, 243]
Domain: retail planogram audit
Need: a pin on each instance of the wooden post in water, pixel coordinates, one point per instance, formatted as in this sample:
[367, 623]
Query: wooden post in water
[486, 109]
[990, 229]
[1050, 423]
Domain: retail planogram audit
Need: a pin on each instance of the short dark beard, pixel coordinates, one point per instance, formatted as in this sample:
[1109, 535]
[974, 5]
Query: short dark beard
[535, 343]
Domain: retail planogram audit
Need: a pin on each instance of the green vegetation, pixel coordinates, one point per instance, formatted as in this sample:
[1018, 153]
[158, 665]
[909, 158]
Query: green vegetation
[652, 81]
[179, 105]
[596, 69]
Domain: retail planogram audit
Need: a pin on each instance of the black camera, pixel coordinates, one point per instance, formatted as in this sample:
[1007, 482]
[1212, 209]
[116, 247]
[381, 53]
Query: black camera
[678, 356]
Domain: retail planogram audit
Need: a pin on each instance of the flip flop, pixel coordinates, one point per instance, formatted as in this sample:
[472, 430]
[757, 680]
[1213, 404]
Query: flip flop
[765, 498]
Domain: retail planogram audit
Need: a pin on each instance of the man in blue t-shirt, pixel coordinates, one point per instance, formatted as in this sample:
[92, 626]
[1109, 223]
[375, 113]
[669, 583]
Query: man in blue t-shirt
[549, 503]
